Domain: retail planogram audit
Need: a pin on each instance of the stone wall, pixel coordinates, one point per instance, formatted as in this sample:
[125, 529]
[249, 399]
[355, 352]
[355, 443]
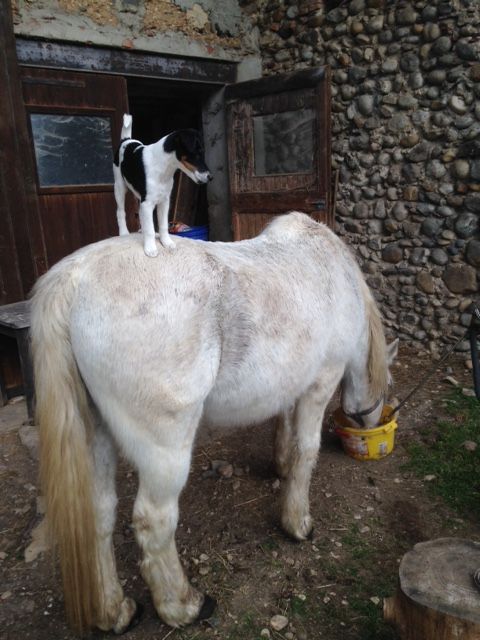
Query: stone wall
[182, 27]
[406, 143]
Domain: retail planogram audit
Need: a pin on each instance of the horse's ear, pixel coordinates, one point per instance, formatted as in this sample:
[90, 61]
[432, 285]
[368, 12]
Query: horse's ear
[392, 351]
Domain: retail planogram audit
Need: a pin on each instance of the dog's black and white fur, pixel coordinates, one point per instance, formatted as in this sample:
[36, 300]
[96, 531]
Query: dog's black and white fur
[148, 170]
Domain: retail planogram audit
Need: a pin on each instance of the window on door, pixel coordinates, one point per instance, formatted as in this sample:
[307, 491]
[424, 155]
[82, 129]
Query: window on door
[72, 149]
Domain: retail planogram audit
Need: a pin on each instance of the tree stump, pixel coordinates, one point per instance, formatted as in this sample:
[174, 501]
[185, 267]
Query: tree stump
[437, 598]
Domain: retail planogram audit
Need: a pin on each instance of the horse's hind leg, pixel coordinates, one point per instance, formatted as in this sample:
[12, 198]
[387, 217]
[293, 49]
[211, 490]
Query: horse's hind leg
[115, 611]
[163, 462]
[307, 426]
[283, 443]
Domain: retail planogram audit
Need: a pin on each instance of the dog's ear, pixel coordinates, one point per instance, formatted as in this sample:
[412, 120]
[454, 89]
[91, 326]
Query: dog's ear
[185, 142]
[171, 142]
[190, 141]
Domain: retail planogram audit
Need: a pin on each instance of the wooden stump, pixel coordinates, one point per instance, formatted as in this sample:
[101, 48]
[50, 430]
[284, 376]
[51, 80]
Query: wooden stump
[437, 598]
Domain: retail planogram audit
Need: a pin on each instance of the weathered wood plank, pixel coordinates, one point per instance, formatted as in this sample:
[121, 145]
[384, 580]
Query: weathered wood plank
[276, 84]
[250, 225]
[22, 257]
[277, 202]
[59, 55]
[16, 315]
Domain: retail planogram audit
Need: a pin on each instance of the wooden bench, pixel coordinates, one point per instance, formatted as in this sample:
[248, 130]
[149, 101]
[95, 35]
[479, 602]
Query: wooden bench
[15, 323]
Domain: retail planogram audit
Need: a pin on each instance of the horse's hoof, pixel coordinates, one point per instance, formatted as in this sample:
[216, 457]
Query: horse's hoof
[137, 616]
[303, 538]
[308, 535]
[301, 532]
[208, 607]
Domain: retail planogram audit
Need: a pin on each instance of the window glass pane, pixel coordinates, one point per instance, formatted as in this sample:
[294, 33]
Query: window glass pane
[283, 142]
[72, 150]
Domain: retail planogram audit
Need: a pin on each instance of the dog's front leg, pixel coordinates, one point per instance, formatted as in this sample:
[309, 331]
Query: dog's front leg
[162, 215]
[120, 191]
[148, 229]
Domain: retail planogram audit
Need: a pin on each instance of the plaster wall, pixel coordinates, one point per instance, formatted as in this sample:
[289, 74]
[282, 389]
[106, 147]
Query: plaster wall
[205, 28]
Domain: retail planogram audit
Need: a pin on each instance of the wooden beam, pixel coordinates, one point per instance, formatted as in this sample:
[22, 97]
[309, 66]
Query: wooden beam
[77, 57]
[269, 85]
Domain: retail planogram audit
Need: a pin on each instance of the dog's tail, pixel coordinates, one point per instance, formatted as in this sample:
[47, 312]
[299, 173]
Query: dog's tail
[127, 126]
[66, 426]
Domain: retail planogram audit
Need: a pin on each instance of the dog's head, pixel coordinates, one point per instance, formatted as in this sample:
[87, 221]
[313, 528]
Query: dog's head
[188, 148]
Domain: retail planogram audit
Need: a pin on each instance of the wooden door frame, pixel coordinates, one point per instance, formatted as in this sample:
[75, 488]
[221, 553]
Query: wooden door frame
[23, 248]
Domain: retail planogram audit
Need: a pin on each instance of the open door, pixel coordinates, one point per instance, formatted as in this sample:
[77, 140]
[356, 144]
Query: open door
[279, 148]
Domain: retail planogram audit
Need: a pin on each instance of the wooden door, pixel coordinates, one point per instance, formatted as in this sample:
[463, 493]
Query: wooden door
[279, 148]
[75, 121]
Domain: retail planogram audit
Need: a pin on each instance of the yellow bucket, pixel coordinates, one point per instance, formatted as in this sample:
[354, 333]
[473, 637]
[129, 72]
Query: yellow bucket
[366, 444]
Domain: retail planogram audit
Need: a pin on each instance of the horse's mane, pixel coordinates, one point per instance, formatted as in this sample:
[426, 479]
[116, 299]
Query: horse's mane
[377, 347]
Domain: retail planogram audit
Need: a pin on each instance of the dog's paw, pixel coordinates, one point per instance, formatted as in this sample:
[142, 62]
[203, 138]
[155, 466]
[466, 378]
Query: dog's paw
[168, 243]
[151, 250]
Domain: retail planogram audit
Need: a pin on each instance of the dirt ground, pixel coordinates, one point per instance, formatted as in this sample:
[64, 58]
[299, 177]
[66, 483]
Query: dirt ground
[367, 514]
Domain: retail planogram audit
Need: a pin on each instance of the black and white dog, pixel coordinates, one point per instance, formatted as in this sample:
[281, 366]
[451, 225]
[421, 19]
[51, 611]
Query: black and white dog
[148, 170]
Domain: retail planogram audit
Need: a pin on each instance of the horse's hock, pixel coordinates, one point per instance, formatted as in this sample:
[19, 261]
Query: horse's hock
[437, 597]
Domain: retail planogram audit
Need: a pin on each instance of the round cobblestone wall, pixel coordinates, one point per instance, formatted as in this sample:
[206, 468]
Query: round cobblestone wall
[406, 143]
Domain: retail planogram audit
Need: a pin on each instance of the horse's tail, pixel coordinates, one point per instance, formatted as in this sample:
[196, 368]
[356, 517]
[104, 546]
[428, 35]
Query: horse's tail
[377, 346]
[66, 426]
[127, 126]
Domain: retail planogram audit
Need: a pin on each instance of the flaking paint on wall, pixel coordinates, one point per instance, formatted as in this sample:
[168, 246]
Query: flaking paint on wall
[163, 15]
[199, 28]
[99, 11]
[226, 16]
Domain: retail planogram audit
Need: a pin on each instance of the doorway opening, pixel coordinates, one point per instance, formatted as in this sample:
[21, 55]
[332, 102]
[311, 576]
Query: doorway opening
[158, 108]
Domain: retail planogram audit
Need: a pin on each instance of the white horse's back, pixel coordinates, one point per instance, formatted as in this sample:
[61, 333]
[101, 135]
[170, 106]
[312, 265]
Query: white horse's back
[243, 326]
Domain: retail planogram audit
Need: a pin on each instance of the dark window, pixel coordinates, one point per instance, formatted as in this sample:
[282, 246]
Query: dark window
[72, 149]
[284, 142]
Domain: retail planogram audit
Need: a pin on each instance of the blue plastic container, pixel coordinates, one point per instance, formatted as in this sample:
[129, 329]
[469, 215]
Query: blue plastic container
[196, 233]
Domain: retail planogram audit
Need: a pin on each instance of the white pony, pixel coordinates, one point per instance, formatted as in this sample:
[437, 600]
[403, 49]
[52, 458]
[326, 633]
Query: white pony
[134, 353]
